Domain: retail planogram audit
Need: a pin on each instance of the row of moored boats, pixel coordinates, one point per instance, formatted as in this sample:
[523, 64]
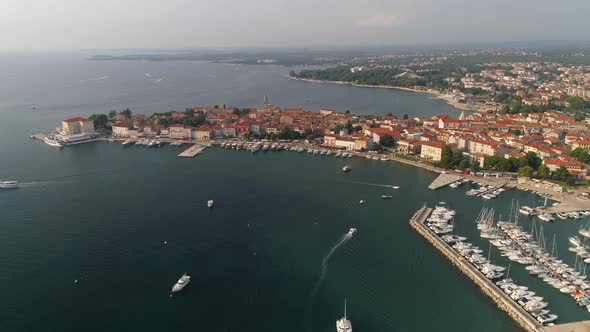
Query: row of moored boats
[144, 141]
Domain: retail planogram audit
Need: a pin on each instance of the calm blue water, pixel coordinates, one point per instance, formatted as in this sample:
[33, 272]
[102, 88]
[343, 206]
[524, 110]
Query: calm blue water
[100, 213]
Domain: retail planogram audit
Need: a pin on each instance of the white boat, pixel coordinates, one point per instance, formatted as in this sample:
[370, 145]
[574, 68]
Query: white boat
[561, 215]
[210, 203]
[128, 142]
[546, 318]
[52, 142]
[343, 324]
[546, 217]
[181, 283]
[351, 231]
[346, 168]
[362, 201]
[525, 210]
[386, 196]
[8, 184]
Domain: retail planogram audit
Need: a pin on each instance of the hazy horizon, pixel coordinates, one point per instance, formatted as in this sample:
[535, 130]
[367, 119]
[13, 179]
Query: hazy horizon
[183, 24]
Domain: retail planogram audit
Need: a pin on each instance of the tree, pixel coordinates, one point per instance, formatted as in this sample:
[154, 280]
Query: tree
[543, 172]
[127, 112]
[307, 132]
[533, 160]
[347, 112]
[580, 154]
[463, 165]
[446, 159]
[526, 171]
[112, 114]
[389, 114]
[560, 174]
[387, 140]
[405, 117]
[189, 112]
[338, 128]
[310, 137]
[99, 120]
[358, 128]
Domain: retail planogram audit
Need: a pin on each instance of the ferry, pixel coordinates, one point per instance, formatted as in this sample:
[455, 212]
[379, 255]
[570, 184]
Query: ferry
[343, 324]
[8, 184]
[181, 283]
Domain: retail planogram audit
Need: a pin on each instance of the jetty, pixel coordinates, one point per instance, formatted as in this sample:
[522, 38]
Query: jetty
[192, 151]
[503, 301]
[444, 180]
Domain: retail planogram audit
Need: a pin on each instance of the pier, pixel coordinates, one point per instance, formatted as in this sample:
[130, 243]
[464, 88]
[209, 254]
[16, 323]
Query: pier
[503, 301]
[444, 180]
[192, 151]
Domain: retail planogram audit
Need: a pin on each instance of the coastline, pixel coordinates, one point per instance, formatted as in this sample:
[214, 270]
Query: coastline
[435, 94]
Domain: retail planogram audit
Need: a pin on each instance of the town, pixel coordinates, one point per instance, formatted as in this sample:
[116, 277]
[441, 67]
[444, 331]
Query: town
[549, 145]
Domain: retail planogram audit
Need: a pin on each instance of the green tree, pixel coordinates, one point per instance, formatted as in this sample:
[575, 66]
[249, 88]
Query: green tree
[446, 159]
[358, 128]
[580, 154]
[99, 120]
[405, 117]
[387, 140]
[560, 174]
[338, 128]
[543, 172]
[389, 114]
[526, 171]
[463, 165]
[310, 137]
[189, 112]
[127, 112]
[531, 159]
[112, 114]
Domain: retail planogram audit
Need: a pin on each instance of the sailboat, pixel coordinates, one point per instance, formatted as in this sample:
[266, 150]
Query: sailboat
[343, 324]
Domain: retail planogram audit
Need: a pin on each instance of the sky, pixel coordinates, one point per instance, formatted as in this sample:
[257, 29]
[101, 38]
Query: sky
[105, 24]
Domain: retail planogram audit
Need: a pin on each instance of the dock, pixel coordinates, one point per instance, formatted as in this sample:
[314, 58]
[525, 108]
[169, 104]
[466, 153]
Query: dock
[583, 326]
[503, 301]
[192, 151]
[444, 180]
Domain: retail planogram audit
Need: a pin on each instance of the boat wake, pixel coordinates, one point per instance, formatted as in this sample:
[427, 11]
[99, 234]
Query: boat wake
[32, 184]
[157, 80]
[376, 184]
[323, 271]
[94, 79]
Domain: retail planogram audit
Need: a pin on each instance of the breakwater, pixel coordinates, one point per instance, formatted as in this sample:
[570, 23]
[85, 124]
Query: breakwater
[519, 315]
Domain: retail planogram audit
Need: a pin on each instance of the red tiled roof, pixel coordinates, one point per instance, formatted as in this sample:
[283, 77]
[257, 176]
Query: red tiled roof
[76, 119]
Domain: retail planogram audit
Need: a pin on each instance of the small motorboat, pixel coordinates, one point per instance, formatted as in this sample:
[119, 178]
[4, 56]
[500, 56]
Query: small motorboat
[362, 201]
[351, 231]
[386, 196]
[181, 283]
[346, 168]
[8, 184]
[210, 203]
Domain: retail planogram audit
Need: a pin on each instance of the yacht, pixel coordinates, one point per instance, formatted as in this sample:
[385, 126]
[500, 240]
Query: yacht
[8, 184]
[346, 168]
[546, 217]
[181, 283]
[52, 142]
[151, 144]
[343, 324]
[546, 318]
[561, 215]
[351, 231]
[210, 203]
[526, 210]
[128, 142]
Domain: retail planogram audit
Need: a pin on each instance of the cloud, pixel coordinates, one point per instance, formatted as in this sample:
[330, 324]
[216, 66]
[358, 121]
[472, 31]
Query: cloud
[378, 21]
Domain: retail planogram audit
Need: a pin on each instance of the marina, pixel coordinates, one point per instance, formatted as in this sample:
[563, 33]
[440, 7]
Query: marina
[520, 304]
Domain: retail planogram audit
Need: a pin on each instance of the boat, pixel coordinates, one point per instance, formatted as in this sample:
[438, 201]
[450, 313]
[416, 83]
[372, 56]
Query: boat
[526, 210]
[8, 184]
[128, 142]
[351, 231]
[561, 215]
[546, 217]
[210, 203]
[362, 201]
[343, 324]
[546, 318]
[386, 196]
[346, 168]
[181, 283]
[52, 142]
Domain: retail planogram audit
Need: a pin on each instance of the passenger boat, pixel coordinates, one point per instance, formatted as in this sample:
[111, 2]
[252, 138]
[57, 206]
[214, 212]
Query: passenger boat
[181, 283]
[8, 184]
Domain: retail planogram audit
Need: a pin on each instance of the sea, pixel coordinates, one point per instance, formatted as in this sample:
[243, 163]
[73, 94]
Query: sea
[98, 233]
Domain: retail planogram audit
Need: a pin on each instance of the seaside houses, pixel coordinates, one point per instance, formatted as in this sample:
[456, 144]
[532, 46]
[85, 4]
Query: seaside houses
[178, 131]
[77, 126]
[431, 151]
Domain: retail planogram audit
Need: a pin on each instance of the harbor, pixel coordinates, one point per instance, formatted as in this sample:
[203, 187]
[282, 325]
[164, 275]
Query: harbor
[192, 151]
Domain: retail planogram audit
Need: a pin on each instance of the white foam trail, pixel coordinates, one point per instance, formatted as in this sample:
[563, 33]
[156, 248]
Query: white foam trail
[148, 75]
[31, 184]
[377, 185]
[158, 80]
[94, 79]
[323, 272]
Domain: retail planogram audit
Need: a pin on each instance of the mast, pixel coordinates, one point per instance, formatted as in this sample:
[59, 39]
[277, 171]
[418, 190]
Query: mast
[344, 307]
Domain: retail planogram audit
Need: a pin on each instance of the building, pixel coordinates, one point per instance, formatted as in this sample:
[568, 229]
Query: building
[120, 130]
[203, 133]
[76, 126]
[576, 168]
[179, 131]
[409, 146]
[431, 151]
